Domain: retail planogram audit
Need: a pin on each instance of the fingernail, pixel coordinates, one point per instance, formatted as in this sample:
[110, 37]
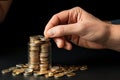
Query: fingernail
[50, 33]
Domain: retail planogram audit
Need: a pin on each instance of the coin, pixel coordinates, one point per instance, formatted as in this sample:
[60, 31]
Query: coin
[19, 65]
[34, 37]
[45, 39]
[18, 71]
[36, 43]
[44, 59]
[54, 68]
[28, 72]
[44, 54]
[45, 47]
[39, 73]
[84, 67]
[34, 48]
[11, 68]
[70, 74]
[34, 66]
[58, 75]
[44, 62]
[50, 74]
[44, 65]
[5, 71]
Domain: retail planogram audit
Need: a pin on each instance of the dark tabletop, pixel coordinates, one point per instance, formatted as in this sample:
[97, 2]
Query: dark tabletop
[102, 64]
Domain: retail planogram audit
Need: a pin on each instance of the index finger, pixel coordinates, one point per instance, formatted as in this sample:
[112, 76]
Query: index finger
[57, 19]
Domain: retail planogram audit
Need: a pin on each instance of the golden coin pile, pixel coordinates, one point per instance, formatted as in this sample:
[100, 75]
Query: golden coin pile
[39, 61]
[55, 71]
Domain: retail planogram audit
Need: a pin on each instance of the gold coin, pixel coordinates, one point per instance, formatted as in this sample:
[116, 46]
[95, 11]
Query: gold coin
[58, 75]
[5, 71]
[54, 68]
[70, 74]
[19, 65]
[18, 71]
[50, 74]
[39, 73]
[34, 48]
[43, 59]
[44, 65]
[12, 68]
[34, 67]
[43, 55]
[84, 67]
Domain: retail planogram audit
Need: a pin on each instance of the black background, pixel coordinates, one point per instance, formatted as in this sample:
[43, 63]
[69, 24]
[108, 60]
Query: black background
[28, 17]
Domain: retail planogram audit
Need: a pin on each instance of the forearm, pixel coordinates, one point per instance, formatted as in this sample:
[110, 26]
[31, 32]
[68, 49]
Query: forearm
[114, 37]
[4, 7]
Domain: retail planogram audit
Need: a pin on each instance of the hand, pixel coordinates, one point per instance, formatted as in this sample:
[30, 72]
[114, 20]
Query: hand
[77, 26]
[4, 7]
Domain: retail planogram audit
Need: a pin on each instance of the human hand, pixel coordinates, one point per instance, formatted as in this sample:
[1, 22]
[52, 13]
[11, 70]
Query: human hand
[79, 27]
[4, 7]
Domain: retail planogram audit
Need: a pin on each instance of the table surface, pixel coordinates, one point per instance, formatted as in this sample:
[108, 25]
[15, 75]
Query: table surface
[101, 69]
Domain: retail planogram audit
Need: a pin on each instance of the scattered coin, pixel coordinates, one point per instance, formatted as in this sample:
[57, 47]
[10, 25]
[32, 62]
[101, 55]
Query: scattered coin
[84, 67]
[18, 71]
[70, 74]
[58, 75]
[5, 71]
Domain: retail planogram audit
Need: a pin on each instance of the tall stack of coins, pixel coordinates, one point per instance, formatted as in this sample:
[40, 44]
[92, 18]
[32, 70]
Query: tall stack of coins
[39, 53]
[34, 49]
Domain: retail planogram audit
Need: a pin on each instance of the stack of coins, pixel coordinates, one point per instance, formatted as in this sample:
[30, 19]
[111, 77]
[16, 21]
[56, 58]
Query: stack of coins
[39, 53]
[34, 50]
[45, 51]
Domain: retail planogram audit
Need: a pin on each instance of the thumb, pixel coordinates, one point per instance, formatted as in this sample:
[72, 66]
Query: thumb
[62, 30]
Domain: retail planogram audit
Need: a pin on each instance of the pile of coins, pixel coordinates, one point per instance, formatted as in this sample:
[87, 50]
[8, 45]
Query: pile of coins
[55, 71]
[39, 61]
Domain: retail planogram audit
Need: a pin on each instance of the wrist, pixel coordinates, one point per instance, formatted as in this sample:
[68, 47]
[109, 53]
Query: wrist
[113, 41]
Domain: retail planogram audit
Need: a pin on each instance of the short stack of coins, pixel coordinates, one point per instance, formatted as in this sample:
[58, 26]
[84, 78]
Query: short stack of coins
[45, 54]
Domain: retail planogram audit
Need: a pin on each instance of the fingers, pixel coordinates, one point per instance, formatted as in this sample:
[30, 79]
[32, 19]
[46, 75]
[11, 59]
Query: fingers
[57, 19]
[62, 30]
[67, 45]
[58, 27]
[62, 43]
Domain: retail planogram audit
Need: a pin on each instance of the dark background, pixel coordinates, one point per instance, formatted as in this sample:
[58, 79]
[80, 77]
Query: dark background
[29, 17]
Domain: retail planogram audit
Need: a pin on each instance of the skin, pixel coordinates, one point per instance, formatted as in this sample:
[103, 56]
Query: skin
[4, 7]
[83, 29]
